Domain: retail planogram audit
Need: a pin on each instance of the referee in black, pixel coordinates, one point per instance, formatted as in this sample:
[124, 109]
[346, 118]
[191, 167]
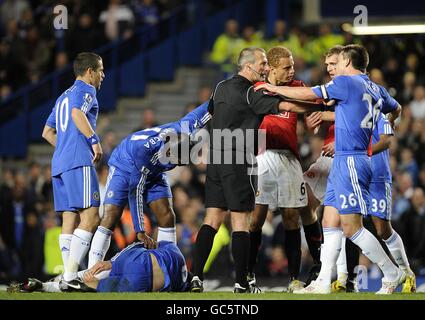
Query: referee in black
[231, 184]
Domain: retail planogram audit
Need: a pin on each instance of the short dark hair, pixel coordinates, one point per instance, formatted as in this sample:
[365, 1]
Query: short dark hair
[334, 50]
[358, 56]
[84, 61]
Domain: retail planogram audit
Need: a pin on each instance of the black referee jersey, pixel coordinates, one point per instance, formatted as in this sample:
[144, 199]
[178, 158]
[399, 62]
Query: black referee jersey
[235, 106]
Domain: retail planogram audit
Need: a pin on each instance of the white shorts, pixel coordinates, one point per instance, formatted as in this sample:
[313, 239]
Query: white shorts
[280, 180]
[317, 176]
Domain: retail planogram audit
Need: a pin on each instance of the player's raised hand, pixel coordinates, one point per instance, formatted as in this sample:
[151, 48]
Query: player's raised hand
[329, 149]
[266, 86]
[97, 150]
[146, 240]
[313, 120]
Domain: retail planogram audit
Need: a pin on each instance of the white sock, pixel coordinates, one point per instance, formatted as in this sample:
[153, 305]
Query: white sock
[80, 244]
[167, 234]
[372, 249]
[65, 245]
[341, 264]
[396, 247]
[51, 286]
[329, 252]
[100, 245]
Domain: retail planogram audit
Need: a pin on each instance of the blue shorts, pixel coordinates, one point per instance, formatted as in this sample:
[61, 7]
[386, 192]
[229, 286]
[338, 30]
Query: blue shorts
[132, 269]
[136, 190]
[348, 183]
[76, 189]
[380, 200]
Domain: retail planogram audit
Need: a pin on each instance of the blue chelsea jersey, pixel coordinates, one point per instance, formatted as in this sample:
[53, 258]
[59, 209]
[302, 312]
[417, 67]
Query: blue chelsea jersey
[359, 103]
[142, 150]
[72, 148]
[381, 171]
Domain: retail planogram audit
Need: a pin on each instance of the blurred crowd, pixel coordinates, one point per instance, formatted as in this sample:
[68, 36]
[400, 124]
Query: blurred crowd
[30, 47]
[29, 227]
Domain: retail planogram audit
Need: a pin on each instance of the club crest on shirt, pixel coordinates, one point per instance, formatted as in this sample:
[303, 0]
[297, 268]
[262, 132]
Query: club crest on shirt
[96, 196]
[110, 194]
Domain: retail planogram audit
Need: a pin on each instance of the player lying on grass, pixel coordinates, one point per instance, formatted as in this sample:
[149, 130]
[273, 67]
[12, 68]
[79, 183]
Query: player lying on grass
[137, 177]
[134, 269]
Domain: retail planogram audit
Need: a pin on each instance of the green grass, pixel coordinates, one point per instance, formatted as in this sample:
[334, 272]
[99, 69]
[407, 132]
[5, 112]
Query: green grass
[203, 296]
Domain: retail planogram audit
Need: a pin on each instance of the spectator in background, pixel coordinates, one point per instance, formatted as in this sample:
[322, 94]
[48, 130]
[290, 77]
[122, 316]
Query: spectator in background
[188, 228]
[61, 60]
[5, 92]
[146, 12]
[118, 20]
[224, 47]
[417, 106]
[279, 36]
[391, 70]
[25, 22]
[109, 141]
[13, 71]
[85, 37]
[12, 9]
[148, 119]
[35, 182]
[401, 194]
[47, 188]
[408, 164]
[38, 54]
[377, 76]
[250, 38]
[406, 93]
[413, 226]
[326, 40]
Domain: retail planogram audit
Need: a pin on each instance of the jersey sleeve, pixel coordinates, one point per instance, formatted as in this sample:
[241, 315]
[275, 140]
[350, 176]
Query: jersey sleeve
[262, 103]
[51, 120]
[336, 89]
[83, 100]
[197, 118]
[384, 126]
[388, 103]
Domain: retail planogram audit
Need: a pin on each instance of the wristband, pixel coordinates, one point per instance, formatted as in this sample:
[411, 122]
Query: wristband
[94, 139]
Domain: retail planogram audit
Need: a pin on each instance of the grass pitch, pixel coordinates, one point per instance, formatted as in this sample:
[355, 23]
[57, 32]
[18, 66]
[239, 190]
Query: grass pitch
[205, 296]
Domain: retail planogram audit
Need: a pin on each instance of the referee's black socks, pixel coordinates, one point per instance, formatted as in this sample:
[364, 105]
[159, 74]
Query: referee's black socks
[240, 253]
[204, 243]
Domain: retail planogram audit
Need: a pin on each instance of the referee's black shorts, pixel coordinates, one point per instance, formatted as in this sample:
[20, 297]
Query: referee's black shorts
[231, 187]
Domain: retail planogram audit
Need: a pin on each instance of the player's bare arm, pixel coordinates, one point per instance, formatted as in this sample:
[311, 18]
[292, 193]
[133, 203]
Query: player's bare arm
[393, 116]
[49, 134]
[85, 128]
[383, 144]
[301, 93]
[299, 106]
[100, 266]
[328, 116]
